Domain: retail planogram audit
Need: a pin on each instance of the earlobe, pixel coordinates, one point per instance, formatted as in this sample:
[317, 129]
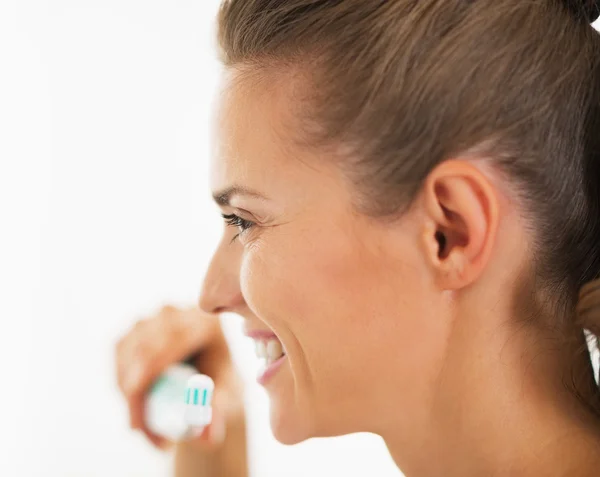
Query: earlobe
[461, 207]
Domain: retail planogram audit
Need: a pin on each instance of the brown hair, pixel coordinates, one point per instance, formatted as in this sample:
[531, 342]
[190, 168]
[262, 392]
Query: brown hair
[406, 84]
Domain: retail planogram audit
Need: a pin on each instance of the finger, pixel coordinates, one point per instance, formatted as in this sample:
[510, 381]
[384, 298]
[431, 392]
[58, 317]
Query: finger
[133, 350]
[121, 351]
[185, 334]
[136, 413]
[213, 435]
[137, 369]
[197, 330]
[217, 431]
[171, 337]
[157, 441]
[137, 421]
[214, 359]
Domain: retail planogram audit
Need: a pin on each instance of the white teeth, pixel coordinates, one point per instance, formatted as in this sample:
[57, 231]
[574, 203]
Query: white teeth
[274, 350]
[261, 349]
[270, 350]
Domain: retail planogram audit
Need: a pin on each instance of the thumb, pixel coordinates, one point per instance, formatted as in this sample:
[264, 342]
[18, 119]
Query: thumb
[214, 434]
[217, 430]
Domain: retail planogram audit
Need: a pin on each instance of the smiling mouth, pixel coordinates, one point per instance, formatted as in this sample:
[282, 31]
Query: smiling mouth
[270, 351]
[269, 370]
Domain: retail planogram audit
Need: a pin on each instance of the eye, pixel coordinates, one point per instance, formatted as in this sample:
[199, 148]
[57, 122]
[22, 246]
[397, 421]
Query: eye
[236, 221]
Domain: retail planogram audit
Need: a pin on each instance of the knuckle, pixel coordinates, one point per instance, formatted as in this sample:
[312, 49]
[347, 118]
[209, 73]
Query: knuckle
[167, 311]
[141, 350]
[140, 325]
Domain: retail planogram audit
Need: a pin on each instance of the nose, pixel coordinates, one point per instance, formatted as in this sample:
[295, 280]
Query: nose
[221, 290]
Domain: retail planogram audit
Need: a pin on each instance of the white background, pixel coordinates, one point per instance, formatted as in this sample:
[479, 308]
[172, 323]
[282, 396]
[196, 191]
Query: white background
[104, 216]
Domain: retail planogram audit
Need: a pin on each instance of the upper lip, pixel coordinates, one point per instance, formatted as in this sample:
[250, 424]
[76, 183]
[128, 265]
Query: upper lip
[259, 334]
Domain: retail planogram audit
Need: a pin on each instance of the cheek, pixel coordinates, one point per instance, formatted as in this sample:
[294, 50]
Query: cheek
[337, 298]
[352, 317]
[293, 281]
[278, 285]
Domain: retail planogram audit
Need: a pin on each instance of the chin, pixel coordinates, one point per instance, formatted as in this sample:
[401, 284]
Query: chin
[288, 425]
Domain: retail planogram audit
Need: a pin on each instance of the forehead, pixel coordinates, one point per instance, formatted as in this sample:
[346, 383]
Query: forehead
[254, 139]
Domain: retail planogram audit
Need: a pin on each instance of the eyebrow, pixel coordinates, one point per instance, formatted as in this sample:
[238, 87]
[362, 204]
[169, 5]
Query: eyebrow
[223, 198]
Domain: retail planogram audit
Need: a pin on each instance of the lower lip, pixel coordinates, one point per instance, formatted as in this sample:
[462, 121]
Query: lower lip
[270, 371]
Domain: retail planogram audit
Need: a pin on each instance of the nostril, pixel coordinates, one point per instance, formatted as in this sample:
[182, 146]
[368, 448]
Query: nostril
[209, 304]
[221, 298]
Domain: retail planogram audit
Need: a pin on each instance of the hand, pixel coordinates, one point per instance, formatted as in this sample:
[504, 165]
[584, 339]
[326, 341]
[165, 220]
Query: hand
[170, 337]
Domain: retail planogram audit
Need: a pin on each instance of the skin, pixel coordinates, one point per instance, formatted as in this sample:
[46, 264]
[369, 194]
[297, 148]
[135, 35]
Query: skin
[387, 328]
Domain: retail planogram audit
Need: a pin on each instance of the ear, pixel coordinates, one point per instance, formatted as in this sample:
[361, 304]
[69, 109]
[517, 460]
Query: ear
[462, 210]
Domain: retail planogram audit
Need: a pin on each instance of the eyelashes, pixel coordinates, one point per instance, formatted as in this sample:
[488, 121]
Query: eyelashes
[233, 220]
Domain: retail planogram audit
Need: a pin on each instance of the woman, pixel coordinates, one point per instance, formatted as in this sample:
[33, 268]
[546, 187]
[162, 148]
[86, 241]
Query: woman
[413, 200]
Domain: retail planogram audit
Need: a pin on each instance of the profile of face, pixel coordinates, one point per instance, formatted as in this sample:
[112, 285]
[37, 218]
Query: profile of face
[357, 302]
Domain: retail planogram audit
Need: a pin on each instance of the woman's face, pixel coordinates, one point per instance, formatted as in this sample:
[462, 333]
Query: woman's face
[346, 295]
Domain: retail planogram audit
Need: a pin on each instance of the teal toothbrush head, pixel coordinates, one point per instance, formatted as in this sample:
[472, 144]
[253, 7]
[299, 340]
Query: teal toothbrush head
[198, 397]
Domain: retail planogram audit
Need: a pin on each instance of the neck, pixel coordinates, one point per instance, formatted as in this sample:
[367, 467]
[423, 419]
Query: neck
[500, 407]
